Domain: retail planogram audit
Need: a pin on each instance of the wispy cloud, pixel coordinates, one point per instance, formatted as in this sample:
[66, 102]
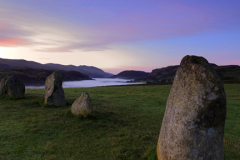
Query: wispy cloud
[10, 35]
[78, 46]
[11, 42]
[108, 24]
[43, 58]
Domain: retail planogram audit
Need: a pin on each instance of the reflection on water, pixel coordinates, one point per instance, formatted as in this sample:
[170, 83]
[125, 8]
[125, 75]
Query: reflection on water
[93, 83]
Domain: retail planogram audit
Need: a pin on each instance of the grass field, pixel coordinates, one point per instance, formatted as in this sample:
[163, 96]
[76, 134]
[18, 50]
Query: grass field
[126, 126]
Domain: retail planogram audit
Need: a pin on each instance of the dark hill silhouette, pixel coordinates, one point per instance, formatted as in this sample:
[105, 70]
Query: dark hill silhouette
[31, 76]
[130, 74]
[165, 74]
[88, 70]
[91, 71]
[229, 74]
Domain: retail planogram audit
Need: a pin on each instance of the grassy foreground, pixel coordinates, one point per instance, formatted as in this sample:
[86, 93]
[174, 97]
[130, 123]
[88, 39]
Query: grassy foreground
[127, 125]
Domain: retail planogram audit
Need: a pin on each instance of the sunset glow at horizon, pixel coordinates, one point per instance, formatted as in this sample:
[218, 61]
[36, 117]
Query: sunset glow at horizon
[120, 35]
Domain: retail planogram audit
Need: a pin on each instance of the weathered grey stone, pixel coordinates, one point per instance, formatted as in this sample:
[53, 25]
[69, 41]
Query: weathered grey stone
[14, 87]
[82, 105]
[53, 92]
[3, 86]
[193, 123]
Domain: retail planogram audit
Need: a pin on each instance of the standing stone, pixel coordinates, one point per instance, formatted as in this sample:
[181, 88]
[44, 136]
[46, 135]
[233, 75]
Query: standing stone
[193, 123]
[82, 105]
[3, 86]
[13, 87]
[54, 93]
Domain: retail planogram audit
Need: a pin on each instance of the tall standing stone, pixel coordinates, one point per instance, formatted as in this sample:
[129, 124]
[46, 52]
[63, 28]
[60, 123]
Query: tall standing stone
[12, 86]
[82, 105]
[193, 123]
[54, 93]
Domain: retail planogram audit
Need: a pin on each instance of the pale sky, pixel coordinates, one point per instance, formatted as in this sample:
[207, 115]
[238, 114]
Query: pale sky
[117, 35]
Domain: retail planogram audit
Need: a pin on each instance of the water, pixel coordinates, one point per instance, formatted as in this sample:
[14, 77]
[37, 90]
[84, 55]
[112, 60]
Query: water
[93, 83]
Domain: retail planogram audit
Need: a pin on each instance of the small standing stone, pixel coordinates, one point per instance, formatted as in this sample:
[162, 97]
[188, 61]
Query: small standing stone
[53, 92]
[82, 105]
[12, 86]
[193, 123]
[3, 86]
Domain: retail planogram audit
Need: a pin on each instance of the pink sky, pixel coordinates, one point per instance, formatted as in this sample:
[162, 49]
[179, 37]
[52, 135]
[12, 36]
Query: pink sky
[120, 35]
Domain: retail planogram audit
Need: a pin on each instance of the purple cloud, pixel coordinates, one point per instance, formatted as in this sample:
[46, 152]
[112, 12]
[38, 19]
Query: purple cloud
[109, 23]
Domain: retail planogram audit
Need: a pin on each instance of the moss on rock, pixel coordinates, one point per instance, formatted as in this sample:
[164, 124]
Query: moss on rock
[193, 123]
[12, 86]
[82, 105]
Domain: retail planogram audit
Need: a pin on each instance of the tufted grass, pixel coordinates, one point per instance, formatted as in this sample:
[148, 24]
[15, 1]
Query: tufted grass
[126, 125]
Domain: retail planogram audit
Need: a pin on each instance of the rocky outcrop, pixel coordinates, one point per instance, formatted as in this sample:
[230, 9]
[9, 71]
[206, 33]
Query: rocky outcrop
[53, 92]
[12, 86]
[193, 123]
[82, 105]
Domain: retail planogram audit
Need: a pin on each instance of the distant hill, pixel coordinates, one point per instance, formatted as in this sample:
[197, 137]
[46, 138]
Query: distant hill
[131, 74]
[229, 74]
[31, 76]
[165, 74]
[91, 71]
